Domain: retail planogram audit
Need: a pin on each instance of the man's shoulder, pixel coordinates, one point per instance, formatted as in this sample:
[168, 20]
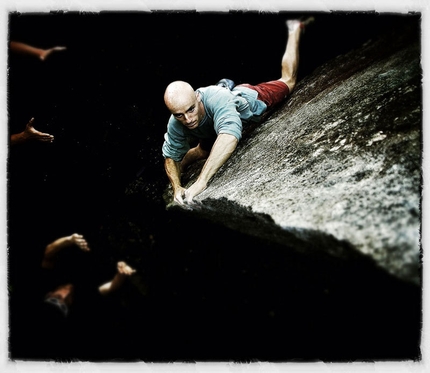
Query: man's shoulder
[211, 89]
[221, 92]
[214, 95]
[173, 125]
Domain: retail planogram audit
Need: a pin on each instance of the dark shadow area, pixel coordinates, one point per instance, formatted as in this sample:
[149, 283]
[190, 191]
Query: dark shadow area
[201, 291]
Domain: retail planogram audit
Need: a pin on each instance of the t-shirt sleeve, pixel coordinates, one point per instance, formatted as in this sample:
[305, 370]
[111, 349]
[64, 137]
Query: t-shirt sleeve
[175, 144]
[226, 116]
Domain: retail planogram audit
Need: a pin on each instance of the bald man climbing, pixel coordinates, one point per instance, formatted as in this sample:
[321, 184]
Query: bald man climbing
[215, 115]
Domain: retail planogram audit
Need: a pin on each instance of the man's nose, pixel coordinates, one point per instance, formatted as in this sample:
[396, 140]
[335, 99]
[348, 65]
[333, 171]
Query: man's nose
[188, 118]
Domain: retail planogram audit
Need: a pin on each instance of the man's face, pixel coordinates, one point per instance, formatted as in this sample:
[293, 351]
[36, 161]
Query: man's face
[189, 110]
[63, 293]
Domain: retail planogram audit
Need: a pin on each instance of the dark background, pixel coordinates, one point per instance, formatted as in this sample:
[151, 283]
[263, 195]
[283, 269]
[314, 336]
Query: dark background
[201, 292]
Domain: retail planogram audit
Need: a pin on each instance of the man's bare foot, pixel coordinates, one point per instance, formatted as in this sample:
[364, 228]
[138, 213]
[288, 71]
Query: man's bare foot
[302, 23]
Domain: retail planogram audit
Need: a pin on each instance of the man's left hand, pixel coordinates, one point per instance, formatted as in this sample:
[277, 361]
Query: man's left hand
[193, 191]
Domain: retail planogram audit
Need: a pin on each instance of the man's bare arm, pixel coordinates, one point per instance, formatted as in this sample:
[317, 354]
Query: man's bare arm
[59, 244]
[173, 171]
[40, 53]
[123, 271]
[222, 149]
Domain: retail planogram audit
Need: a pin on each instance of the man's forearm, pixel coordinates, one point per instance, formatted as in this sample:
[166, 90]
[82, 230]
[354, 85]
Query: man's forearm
[52, 250]
[25, 48]
[113, 285]
[18, 138]
[222, 149]
[173, 171]
[54, 247]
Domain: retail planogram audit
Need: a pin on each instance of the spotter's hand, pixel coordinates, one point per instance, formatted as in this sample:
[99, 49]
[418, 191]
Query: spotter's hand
[30, 133]
[125, 269]
[80, 241]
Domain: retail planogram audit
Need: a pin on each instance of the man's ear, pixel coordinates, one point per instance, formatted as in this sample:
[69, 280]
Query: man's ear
[199, 99]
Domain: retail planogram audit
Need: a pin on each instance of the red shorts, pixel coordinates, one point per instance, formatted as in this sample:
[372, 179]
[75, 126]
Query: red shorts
[271, 93]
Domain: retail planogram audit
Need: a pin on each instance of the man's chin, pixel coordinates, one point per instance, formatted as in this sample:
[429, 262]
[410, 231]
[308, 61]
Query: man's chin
[192, 126]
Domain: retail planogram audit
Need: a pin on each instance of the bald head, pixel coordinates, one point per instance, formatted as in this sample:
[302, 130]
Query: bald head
[178, 94]
[184, 104]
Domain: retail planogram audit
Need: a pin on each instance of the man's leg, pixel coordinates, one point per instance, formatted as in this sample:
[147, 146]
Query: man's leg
[290, 59]
[193, 155]
[274, 92]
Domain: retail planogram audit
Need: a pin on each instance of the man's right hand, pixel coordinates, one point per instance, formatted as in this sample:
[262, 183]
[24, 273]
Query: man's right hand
[179, 195]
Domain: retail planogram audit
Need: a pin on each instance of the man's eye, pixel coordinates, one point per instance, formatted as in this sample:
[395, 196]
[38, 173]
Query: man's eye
[191, 109]
[177, 115]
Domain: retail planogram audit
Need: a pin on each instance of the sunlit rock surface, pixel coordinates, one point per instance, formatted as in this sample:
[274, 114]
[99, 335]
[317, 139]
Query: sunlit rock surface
[337, 168]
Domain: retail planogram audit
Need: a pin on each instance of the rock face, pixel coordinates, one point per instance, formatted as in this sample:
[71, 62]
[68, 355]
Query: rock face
[336, 168]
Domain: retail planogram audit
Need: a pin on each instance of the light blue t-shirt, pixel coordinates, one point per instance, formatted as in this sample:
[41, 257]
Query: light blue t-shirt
[225, 112]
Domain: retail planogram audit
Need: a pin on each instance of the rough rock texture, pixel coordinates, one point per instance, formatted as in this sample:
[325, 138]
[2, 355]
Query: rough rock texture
[337, 168]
